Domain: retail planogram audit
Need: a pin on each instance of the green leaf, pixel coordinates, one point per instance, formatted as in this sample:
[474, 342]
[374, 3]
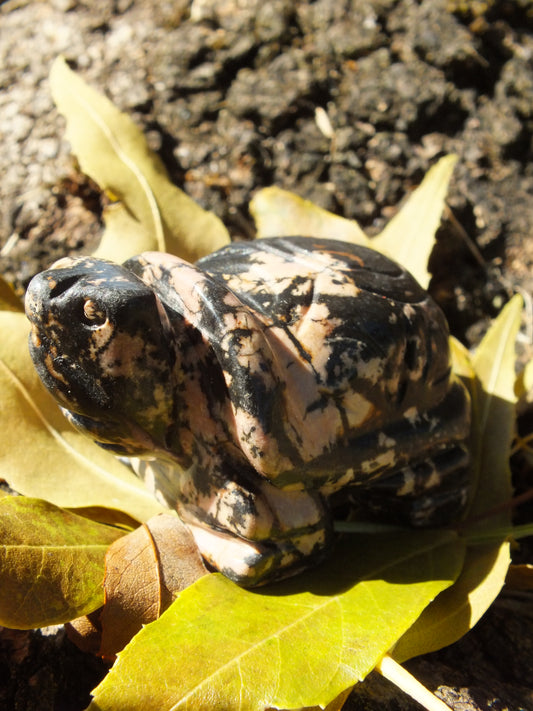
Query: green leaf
[41, 454]
[490, 376]
[300, 643]
[410, 235]
[51, 563]
[9, 301]
[114, 153]
[280, 213]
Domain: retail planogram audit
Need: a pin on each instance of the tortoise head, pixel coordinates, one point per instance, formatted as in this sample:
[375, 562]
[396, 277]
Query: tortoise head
[102, 344]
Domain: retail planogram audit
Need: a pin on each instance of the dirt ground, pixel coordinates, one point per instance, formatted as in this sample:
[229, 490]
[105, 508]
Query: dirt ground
[233, 95]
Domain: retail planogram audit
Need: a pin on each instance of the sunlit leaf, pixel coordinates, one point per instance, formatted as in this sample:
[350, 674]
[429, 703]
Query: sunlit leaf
[459, 608]
[41, 455]
[123, 236]
[410, 235]
[114, 153]
[51, 563]
[9, 301]
[280, 213]
[462, 362]
[295, 645]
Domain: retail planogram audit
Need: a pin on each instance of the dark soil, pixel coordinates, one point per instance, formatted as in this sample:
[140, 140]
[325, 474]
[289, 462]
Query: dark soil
[228, 92]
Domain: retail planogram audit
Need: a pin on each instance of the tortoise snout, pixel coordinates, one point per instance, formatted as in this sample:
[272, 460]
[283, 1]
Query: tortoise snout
[51, 291]
[37, 298]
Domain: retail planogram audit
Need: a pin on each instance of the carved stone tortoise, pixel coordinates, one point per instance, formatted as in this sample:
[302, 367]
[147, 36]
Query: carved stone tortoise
[261, 387]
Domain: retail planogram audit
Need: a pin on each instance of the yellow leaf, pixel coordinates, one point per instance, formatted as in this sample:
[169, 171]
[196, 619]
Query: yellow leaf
[410, 235]
[458, 609]
[113, 152]
[51, 563]
[123, 237]
[293, 645]
[461, 360]
[280, 213]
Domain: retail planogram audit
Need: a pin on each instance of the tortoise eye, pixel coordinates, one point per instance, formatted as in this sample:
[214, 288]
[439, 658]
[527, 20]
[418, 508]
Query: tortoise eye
[93, 313]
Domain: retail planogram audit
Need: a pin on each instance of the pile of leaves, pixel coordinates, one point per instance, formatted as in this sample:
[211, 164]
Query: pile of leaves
[197, 639]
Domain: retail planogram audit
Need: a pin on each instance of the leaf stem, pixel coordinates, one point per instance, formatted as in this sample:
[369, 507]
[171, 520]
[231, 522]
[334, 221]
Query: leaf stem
[501, 508]
[500, 534]
[522, 443]
[405, 681]
[366, 527]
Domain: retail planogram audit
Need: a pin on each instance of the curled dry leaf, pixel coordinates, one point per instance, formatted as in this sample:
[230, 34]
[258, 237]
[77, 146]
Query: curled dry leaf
[86, 632]
[144, 573]
[520, 577]
[180, 562]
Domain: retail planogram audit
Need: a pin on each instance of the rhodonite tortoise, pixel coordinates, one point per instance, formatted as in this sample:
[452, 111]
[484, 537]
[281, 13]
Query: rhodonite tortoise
[259, 387]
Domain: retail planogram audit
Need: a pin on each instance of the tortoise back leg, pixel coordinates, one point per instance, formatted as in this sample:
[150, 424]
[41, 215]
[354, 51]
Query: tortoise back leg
[432, 492]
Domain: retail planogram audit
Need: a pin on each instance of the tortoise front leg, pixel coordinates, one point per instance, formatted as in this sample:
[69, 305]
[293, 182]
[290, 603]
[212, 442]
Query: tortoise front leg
[257, 538]
[249, 530]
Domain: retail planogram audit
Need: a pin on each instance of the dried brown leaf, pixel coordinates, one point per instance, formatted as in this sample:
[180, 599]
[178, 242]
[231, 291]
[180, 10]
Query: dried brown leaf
[86, 632]
[520, 577]
[143, 575]
[180, 563]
